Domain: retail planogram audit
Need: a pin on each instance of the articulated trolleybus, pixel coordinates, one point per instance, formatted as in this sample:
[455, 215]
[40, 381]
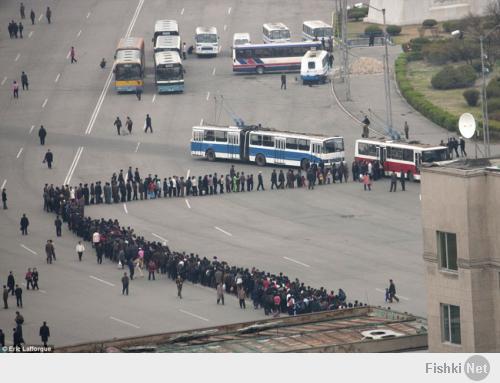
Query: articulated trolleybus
[265, 146]
[403, 158]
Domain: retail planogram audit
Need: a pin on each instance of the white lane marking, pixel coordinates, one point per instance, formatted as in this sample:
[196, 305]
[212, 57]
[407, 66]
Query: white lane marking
[88, 14]
[3, 81]
[124, 322]
[399, 296]
[125, 208]
[188, 173]
[4, 183]
[220, 49]
[28, 249]
[45, 102]
[223, 231]
[73, 165]
[32, 127]
[99, 104]
[137, 148]
[134, 18]
[57, 77]
[101, 280]
[67, 56]
[187, 203]
[19, 153]
[213, 72]
[225, 26]
[160, 237]
[79, 33]
[30, 34]
[182, 11]
[154, 98]
[17, 57]
[194, 315]
[201, 122]
[208, 95]
[40, 18]
[295, 261]
[229, 10]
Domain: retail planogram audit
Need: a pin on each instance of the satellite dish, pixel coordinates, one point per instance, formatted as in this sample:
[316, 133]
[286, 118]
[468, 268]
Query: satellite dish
[467, 125]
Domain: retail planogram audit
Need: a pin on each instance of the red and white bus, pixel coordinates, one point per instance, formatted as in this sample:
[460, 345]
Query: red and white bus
[399, 157]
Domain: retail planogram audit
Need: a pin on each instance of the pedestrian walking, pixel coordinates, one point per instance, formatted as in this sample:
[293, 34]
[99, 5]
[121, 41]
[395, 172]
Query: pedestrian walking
[260, 182]
[24, 81]
[403, 181]
[32, 17]
[138, 93]
[128, 125]
[102, 64]
[118, 124]
[79, 250]
[4, 198]
[72, 54]
[22, 10]
[58, 225]
[42, 133]
[24, 224]
[5, 296]
[179, 282]
[48, 14]
[283, 81]
[15, 89]
[11, 283]
[125, 282]
[50, 251]
[407, 130]
[184, 51]
[29, 279]
[394, 182]
[35, 276]
[21, 28]
[44, 333]
[19, 296]
[148, 124]
[220, 293]
[49, 158]
[392, 291]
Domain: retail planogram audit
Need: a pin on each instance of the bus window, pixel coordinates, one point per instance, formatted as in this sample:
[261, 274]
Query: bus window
[209, 135]
[367, 149]
[434, 155]
[256, 139]
[220, 136]
[304, 145]
[408, 155]
[268, 141]
[197, 135]
[311, 65]
[291, 143]
[395, 153]
[337, 145]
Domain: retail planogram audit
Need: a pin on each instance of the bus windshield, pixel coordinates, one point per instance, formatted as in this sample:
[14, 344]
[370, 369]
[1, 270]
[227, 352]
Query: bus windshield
[171, 73]
[206, 38]
[333, 145]
[128, 71]
[434, 155]
[323, 32]
[281, 34]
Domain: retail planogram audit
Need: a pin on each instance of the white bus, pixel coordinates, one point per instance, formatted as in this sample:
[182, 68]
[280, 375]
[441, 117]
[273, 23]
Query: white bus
[207, 41]
[241, 39]
[275, 33]
[169, 73]
[168, 43]
[265, 146]
[314, 67]
[165, 28]
[316, 30]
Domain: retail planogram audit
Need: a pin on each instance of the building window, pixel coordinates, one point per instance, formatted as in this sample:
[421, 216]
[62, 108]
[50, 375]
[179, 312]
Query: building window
[447, 250]
[450, 323]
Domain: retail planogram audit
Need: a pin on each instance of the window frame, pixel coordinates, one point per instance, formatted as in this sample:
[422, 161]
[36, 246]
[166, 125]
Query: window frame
[443, 241]
[450, 324]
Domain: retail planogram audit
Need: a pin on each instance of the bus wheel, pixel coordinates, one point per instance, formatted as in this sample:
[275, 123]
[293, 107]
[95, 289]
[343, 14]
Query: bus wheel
[410, 177]
[210, 155]
[304, 164]
[260, 160]
[259, 70]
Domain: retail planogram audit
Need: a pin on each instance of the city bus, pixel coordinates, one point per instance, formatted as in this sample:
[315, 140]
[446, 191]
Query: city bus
[403, 158]
[314, 67]
[168, 43]
[207, 41]
[264, 58]
[316, 30]
[265, 146]
[165, 28]
[169, 73]
[275, 33]
[129, 65]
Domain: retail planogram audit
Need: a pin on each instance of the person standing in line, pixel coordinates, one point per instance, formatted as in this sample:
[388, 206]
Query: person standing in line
[274, 179]
[79, 250]
[58, 225]
[179, 282]
[42, 133]
[394, 182]
[125, 282]
[24, 224]
[5, 296]
[21, 28]
[392, 291]
[15, 89]
[128, 125]
[19, 296]
[4, 198]
[72, 54]
[407, 130]
[44, 333]
[32, 17]
[24, 81]
[283, 81]
[403, 181]
[48, 14]
[118, 124]
[148, 124]
[21, 11]
[49, 158]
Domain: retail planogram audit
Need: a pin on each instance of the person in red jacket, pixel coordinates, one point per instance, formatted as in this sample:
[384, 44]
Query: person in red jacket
[151, 269]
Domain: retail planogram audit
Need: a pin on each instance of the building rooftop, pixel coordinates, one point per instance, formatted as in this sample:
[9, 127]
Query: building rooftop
[468, 164]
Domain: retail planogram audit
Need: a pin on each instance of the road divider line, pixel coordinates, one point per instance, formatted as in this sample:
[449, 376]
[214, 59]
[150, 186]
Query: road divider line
[3, 81]
[297, 262]
[125, 208]
[79, 33]
[40, 17]
[4, 183]
[32, 127]
[208, 95]
[134, 18]
[45, 102]
[57, 77]
[30, 34]
[229, 10]
[154, 98]
[124, 322]
[194, 315]
[17, 57]
[137, 147]
[19, 152]
[187, 203]
[188, 173]
[225, 26]
[160, 237]
[220, 49]
[223, 231]
[88, 14]
[67, 56]
[101, 280]
[213, 72]
[28, 249]
[182, 11]
[201, 122]
[72, 168]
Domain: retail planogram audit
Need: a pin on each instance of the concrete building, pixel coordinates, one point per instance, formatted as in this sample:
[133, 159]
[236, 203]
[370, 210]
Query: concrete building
[461, 232]
[406, 12]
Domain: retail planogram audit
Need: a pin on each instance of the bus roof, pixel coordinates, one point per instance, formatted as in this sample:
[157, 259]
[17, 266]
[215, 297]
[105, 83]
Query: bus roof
[401, 144]
[281, 45]
[168, 42]
[128, 56]
[131, 43]
[275, 26]
[166, 25]
[317, 24]
[168, 57]
[206, 31]
[315, 54]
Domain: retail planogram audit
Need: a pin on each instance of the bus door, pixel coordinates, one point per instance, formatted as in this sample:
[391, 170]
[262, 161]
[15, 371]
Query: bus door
[233, 145]
[196, 148]
[381, 153]
[316, 152]
[279, 152]
[418, 161]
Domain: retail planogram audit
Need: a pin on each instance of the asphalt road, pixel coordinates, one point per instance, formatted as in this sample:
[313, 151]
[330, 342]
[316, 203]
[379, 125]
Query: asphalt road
[335, 236]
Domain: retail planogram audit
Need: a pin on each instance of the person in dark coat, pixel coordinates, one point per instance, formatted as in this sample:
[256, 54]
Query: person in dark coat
[19, 296]
[4, 198]
[32, 17]
[24, 224]
[17, 337]
[125, 282]
[24, 80]
[5, 296]
[260, 182]
[394, 182]
[58, 225]
[44, 333]
[49, 158]
[2, 338]
[21, 28]
[402, 180]
[392, 291]
[11, 282]
[42, 133]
